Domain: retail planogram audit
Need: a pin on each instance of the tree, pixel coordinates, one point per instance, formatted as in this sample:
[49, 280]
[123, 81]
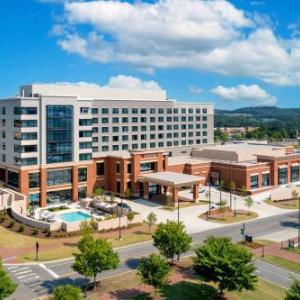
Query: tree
[95, 256]
[232, 187]
[154, 270]
[7, 285]
[151, 220]
[99, 192]
[293, 293]
[130, 216]
[222, 205]
[225, 263]
[171, 239]
[244, 191]
[249, 203]
[86, 228]
[67, 292]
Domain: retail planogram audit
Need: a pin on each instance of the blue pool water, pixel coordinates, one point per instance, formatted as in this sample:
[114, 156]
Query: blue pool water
[74, 216]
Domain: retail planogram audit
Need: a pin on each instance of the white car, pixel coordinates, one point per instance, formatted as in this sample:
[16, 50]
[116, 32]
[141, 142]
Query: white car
[201, 190]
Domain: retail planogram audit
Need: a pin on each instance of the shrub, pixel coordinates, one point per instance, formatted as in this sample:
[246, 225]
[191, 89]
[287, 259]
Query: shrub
[3, 219]
[12, 223]
[35, 231]
[21, 228]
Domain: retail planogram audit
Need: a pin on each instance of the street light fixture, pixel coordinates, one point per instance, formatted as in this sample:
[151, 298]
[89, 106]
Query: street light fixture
[120, 216]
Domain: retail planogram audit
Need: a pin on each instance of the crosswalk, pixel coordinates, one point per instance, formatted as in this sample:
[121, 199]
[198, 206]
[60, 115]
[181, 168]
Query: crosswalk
[28, 276]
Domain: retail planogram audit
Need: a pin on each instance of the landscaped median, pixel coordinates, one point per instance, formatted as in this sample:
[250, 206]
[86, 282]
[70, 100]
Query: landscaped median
[226, 217]
[285, 204]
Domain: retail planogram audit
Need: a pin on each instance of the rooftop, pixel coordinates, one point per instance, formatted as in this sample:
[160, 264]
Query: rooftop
[171, 178]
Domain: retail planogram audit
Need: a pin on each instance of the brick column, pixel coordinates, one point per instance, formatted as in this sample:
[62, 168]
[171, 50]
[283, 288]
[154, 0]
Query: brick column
[195, 192]
[146, 190]
[123, 177]
[43, 174]
[175, 196]
[75, 183]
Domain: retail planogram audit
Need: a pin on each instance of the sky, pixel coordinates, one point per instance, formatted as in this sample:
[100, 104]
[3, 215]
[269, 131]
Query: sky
[233, 53]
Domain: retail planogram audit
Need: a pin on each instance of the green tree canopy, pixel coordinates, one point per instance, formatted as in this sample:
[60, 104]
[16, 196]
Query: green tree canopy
[67, 292]
[7, 285]
[249, 203]
[95, 256]
[154, 270]
[293, 293]
[171, 239]
[225, 263]
[151, 220]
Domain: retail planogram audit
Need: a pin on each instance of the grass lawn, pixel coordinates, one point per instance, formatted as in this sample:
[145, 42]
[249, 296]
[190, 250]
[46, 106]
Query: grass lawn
[183, 205]
[51, 248]
[296, 250]
[284, 263]
[288, 204]
[228, 217]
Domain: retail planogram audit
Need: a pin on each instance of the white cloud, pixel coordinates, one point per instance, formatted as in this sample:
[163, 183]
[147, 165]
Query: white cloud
[120, 82]
[130, 82]
[251, 94]
[195, 89]
[213, 36]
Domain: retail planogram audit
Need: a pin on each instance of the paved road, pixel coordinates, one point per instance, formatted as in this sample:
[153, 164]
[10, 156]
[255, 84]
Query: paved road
[35, 280]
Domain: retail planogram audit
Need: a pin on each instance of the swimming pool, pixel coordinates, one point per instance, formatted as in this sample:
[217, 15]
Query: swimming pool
[74, 216]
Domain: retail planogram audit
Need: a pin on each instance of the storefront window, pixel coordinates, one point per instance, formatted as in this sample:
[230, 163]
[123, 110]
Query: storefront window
[34, 180]
[57, 197]
[82, 174]
[57, 177]
[254, 182]
[34, 199]
[266, 179]
[282, 175]
[13, 178]
[294, 173]
[100, 168]
[148, 166]
[82, 192]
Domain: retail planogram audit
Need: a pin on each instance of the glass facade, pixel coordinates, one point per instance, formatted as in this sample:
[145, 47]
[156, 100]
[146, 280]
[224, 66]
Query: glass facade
[294, 173]
[58, 177]
[148, 166]
[59, 133]
[282, 175]
[100, 168]
[57, 197]
[82, 192]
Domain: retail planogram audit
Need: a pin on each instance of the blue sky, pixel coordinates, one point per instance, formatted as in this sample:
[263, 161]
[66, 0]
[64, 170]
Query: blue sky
[233, 53]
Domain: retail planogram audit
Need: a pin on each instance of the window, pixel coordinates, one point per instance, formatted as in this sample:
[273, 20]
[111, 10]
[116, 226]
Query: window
[115, 147]
[124, 147]
[125, 128]
[85, 156]
[160, 110]
[57, 197]
[134, 120]
[34, 180]
[59, 133]
[25, 161]
[85, 122]
[143, 110]
[25, 136]
[82, 192]
[84, 110]
[100, 168]
[95, 130]
[105, 139]
[282, 175]
[115, 138]
[105, 111]
[13, 178]
[85, 133]
[147, 166]
[24, 123]
[95, 121]
[85, 145]
[128, 168]
[25, 148]
[134, 110]
[254, 182]
[124, 110]
[115, 120]
[125, 138]
[294, 173]
[105, 148]
[82, 174]
[95, 111]
[105, 129]
[204, 110]
[104, 120]
[3, 110]
[204, 118]
[152, 110]
[265, 179]
[34, 199]
[118, 168]
[95, 139]
[115, 110]
[58, 177]
[25, 110]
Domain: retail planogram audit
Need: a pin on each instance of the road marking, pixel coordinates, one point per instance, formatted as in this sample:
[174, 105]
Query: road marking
[19, 269]
[8, 258]
[49, 271]
[23, 272]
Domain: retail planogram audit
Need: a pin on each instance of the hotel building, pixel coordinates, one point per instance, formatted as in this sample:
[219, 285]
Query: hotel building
[59, 142]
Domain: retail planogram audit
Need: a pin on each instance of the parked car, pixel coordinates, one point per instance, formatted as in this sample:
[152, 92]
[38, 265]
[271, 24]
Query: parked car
[125, 206]
[214, 206]
[201, 190]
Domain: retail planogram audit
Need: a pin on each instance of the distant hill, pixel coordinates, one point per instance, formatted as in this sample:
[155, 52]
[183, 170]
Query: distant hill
[270, 118]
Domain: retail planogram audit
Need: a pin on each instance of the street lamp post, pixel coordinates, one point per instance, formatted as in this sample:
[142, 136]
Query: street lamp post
[178, 210]
[235, 206]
